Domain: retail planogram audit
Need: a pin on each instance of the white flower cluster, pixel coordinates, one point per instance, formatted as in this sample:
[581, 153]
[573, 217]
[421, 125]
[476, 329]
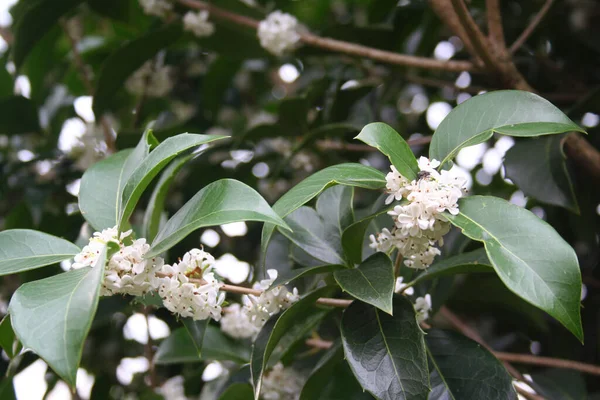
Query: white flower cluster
[150, 80]
[279, 33]
[160, 8]
[188, 288]
[246, 321]
[420, 224]
[422, 304]
[90, 147]
[198, 23]
[186, 298]
[282, 383]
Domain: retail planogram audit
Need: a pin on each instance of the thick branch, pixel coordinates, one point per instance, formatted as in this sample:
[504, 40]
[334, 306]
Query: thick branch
[494, 18]
[531, 27]
[341, 46]
[445, 11]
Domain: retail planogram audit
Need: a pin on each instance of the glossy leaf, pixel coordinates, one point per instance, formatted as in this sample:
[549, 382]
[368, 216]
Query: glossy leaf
[538, 167]
[390, 143]
[530, 257]
[473, 261]
[354, 236]
[196, 330]
[334, 206]
[180, 348]
[24, 249]
[285, 278]
[343, 174]
[462, 369]
[386, 353]
[371, 282]
[508, 112]
[221, 202]
[238, 391]
[19, 115]
[126, 60]
[8, 340]
[151, 166]
[276, 328]
[39, 17]
[53, 316]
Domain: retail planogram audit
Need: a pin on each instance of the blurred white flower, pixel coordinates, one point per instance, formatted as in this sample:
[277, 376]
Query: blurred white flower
[160, 8]
[278, 33]
[150, 80]
[282, 383]
[198, 23]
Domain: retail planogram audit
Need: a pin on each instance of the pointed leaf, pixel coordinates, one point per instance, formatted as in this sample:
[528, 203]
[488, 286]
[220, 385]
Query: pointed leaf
[463, 369]
[473, 261]
[334, 206]
[371, 282]
[53, 316]
[508, 112]
[354, 236]
[196, 330]
[221, 202]
[287, 277]
[538, 167]
[386, 353]
[25, 249]
[151, 166]
[530, 257]
[343, 174]
[390, 143]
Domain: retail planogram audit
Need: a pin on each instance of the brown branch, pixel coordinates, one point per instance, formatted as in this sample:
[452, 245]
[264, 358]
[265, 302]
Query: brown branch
[445, 12]
[494, 18]
[149, 353]
[319, 343]
[339, 45]
[531, 27]
[548, 362]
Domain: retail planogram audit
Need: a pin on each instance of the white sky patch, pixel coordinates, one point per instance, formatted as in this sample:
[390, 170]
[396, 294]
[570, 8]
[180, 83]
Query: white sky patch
[83, 108]
[590, 120]
[260, 170]
[229, 267]
[128, 367]
[25, 155]
[288, 73]
[419, 103]
[471, 156]
[136, 328]
[210, 238]
[444, 51]
[492, 160]
[463, 80]
[436, 113]
[30, 383]
[462, 97]
[5, 17]
[503, 144]
[23, 86]
[212, 371]
[483, 178]
[71, 132]
[349, 84]
[85, 383]
[73, 187]
[60, 391]
[235, 229]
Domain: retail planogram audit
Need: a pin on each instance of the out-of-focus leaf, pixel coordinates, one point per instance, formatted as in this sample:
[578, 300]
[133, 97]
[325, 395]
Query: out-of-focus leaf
[473, 261]
[7, 390]
[8, 340]
[386, 353]
[117, 9]
[371, 282]
[53, 316]
[508, 112]
[539, 169]
[238, 391]
[24, 249]
[530, 257]
[463, 369]
[19, 115]
[560, 384]
[221, 202]
[218, 78]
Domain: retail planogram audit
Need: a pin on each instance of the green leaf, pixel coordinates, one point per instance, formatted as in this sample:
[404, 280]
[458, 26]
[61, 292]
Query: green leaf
[217, 80]
[371, 282]
[386, 353]
[465, 263]
[343, 174]
[196, 330]
[276, 328]
[530, 257]
[238, 391]
[25, 249]
[334, 206]
[463, 369]
[287, 277]
[53, 316]
[100, 191]
[354, 236]
[117, 9]
[559, 384]
[389, 142]
[508, 112]
[308, 233]
[19, 115]
[35, 22]
[7, 389]
[221, 202]
[126, 60]
[154, 211]
[151, 165]
[538, 167]
[8, 340]
[180, 348]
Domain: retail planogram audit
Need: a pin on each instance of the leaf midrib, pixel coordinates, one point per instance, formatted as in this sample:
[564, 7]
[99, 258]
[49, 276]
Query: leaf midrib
[389, 352]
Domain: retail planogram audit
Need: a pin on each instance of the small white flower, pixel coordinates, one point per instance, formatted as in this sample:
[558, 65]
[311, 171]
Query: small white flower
[422, 307]
[236, 323]
[160, 8]
[260, 308]
[198, 23]
[400, 286]
[282, 383]
[395, 185]
[150, 80]
[89, 148]
[279, 33]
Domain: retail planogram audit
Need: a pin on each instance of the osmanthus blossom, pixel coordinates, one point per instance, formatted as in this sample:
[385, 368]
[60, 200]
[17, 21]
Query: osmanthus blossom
[159, 8]
[282, 383]
[422, 304]
[198, 23]
[89, 148]
[279, 33]
[150, 80]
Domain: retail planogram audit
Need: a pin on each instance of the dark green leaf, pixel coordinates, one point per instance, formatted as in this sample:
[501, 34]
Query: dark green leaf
[218, 78]
[389, 142]
[8, 340]
[196, 330]
[285, 278]
[7, 390]
[473, 261]
[559, 384]
[528, 254]
[371, 282]
[538, 168]
[53, 316]
[24, 249]
[221, 202]
[180, 348]
[463, 369]
[238, 391]
[126, 60]
[19, 115]
[37, 20]
[386, 353]
[508, 112]
[117, 9]
[354, 236]
[334, 206]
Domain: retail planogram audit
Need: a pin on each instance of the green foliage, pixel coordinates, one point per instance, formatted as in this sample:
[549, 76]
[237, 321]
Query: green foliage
[19, 115]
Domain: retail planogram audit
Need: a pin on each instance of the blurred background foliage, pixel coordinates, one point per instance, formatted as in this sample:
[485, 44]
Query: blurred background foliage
[288, 117]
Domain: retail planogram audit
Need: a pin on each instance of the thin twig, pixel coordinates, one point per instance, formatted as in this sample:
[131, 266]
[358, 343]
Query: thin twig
[339, 45]
[149, 352]
[531, 27]
[319, 343]
[548, 362]
[334, 145]
[494, 18]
